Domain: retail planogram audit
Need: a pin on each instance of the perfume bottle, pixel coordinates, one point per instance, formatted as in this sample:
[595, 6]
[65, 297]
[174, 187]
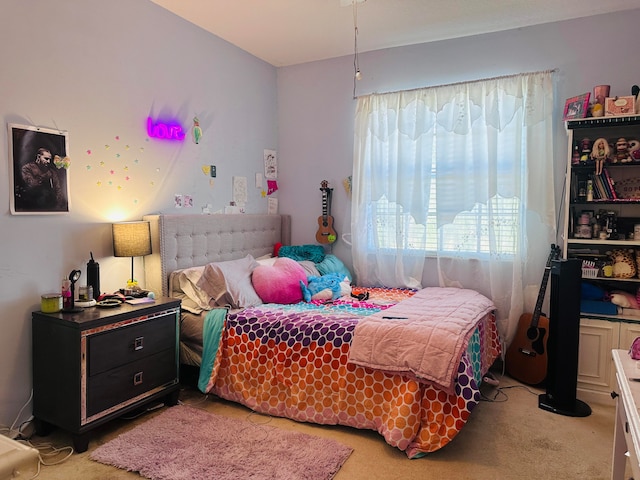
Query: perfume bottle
[66, 293]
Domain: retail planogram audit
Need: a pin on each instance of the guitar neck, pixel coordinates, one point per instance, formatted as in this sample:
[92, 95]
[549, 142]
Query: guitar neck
[326, 202]
[543, 286]
[543, 289]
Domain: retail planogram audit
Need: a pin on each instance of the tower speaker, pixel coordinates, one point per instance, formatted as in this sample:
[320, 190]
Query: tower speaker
[563, 341]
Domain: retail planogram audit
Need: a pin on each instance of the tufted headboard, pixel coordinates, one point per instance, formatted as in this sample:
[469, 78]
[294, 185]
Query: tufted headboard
[183, 241]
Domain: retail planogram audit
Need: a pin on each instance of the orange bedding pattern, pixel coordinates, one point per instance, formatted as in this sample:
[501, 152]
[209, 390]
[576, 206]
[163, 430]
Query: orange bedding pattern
[292, 361]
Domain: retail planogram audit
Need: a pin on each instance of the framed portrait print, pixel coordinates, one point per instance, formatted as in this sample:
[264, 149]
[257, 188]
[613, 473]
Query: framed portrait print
[38, 165]
[576, 107]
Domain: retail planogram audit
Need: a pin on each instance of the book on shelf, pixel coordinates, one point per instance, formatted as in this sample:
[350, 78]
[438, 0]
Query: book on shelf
[603, 186]
[610, 182]
[599, 189]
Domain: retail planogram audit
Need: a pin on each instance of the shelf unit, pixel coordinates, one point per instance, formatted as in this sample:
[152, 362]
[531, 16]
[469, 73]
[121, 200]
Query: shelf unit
[599, 332]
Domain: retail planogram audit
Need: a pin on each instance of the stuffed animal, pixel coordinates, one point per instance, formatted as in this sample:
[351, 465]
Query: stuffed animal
[621, 151]
[624, 263]
[327, 287]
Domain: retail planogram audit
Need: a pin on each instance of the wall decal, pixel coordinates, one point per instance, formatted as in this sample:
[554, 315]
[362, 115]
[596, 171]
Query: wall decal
[120, 168]
[240, 191]
[270, 164]
[346, 183]
[272, 206]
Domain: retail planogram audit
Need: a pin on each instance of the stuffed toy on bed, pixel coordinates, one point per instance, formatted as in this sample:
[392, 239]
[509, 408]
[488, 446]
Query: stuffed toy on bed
[327, 287]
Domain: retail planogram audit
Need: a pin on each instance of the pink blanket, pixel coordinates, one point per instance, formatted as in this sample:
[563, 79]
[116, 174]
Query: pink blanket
[423, 336]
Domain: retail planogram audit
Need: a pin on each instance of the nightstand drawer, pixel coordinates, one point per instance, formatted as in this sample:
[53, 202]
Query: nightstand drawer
[128, 381]
[127, 344]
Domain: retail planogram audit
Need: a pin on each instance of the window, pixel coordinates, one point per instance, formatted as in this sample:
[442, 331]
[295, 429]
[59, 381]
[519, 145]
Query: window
[462, 174]
[476, 233]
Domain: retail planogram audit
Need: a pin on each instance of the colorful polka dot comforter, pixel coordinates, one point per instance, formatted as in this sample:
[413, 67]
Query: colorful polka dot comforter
[292, 361]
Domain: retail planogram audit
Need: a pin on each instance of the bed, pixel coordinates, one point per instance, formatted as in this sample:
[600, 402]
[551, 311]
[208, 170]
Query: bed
[405, 363]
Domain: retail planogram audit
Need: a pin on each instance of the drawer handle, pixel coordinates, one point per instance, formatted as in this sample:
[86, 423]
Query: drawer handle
[137, 378]
[138, 343]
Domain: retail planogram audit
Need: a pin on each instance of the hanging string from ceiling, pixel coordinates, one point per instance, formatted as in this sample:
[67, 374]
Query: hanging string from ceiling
[356, 63]
[357, 75]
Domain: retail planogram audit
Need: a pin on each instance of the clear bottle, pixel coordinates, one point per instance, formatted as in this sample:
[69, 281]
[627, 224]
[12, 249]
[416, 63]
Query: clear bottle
[589, 190]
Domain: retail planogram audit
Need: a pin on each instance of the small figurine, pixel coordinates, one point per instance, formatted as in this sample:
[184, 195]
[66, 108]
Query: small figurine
[575, 157]
[586, 149]
[196, 130]
[622, 151]
[600, 153]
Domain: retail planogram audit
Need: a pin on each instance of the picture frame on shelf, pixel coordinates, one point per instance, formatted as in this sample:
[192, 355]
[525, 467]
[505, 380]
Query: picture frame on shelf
[576, 107]
[38, 165]
[616, 106]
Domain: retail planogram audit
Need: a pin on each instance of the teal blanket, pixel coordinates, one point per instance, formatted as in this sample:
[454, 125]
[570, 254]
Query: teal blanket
[211, 332]
[313, 253]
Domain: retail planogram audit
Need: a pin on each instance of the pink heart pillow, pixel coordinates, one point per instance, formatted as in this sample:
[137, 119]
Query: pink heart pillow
[280, 282]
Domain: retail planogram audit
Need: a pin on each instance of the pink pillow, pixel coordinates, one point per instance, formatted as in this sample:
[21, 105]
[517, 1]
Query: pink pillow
[280, 282]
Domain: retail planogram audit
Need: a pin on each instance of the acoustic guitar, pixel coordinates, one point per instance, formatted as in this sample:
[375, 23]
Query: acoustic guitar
[526, 358]
[326, 233]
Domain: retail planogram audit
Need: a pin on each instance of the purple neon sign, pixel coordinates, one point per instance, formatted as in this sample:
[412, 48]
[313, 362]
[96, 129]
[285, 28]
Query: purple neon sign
[164, 131]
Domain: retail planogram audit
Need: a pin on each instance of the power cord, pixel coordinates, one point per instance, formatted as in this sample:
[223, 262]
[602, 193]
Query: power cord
[46, 451]
[500, 392]
[11, 431]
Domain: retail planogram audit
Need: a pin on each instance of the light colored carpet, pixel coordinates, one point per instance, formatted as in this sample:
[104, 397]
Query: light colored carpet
[506, 439]
[186, 443]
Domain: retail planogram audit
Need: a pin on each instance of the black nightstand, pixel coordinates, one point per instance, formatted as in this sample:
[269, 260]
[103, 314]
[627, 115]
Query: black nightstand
[95, 365]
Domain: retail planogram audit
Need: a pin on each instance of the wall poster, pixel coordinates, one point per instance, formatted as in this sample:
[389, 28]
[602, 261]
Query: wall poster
[38, 164]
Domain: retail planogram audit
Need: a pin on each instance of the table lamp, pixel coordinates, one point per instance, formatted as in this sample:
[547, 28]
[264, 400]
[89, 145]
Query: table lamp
[131, 239]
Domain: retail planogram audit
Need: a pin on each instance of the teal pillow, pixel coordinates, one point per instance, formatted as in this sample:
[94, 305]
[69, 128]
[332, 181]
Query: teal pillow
[332, 264]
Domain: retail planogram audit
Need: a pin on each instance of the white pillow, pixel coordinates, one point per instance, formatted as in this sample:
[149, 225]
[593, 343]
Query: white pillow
[229, 283]
[268, 261]
[184, 286]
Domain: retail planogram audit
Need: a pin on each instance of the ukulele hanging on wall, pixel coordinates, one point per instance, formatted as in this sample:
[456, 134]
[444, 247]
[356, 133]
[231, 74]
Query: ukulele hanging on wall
[326, 233]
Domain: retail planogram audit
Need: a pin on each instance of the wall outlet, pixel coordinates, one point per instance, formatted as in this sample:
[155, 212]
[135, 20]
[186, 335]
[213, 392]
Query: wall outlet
[213, 171]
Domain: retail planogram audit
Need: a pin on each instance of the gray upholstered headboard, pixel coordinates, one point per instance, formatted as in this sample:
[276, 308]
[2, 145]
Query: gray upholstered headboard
[183, 241]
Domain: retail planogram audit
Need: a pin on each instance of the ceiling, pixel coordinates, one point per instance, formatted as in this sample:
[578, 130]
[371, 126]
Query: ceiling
[289, 32]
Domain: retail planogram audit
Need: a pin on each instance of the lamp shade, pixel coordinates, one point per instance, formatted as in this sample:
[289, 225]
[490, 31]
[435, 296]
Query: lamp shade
[131, 239]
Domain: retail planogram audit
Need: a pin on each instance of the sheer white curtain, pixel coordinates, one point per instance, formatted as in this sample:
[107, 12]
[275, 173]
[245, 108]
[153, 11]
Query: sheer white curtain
[456, 183]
